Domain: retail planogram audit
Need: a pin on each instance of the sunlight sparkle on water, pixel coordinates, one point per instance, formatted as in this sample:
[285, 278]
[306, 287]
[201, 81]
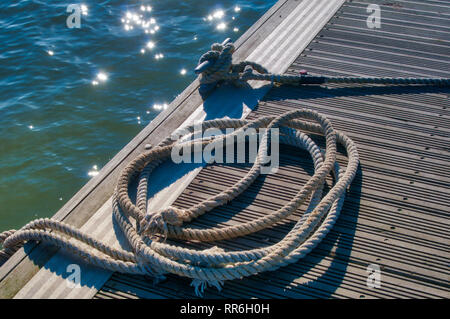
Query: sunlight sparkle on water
[183, 71]
[94, 171]
[221, 26]
[50, 52]
[84, 9]
[132, 19]
[219, 14]
[160, 107]
[150, 44]
[102, 76]
[146, 8]
[237, 9]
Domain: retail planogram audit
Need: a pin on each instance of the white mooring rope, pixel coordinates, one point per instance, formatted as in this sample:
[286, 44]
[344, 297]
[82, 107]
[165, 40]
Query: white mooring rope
[142, 229]
[220, 68]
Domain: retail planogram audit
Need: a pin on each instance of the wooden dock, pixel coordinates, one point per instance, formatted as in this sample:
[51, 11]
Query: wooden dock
[396, 213]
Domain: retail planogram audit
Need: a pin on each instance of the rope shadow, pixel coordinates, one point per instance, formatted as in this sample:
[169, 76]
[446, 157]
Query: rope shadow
[289, 92]
[235, 102]
[337, 246]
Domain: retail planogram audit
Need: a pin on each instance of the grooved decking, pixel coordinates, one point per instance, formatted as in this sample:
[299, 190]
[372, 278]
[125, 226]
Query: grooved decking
[396, 213]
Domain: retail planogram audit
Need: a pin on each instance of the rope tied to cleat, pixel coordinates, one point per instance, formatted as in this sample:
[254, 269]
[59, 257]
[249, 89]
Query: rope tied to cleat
[216, 66]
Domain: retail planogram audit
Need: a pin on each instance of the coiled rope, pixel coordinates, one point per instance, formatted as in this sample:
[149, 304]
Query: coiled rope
[143, 230]
[211, 266]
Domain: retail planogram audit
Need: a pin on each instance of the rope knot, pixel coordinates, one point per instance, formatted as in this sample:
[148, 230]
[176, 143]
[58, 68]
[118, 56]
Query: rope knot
[215, 66]
[220, 57]
[155, 223]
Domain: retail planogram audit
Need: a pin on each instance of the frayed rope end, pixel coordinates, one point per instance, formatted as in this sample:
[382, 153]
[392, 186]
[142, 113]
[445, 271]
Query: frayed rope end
[200, 285]
[155, 223]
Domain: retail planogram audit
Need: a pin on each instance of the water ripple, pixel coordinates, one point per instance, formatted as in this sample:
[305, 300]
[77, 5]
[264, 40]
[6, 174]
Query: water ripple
[56, 128]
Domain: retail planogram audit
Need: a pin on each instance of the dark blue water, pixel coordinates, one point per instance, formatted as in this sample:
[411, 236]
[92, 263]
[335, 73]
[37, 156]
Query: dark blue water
[71, 98]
